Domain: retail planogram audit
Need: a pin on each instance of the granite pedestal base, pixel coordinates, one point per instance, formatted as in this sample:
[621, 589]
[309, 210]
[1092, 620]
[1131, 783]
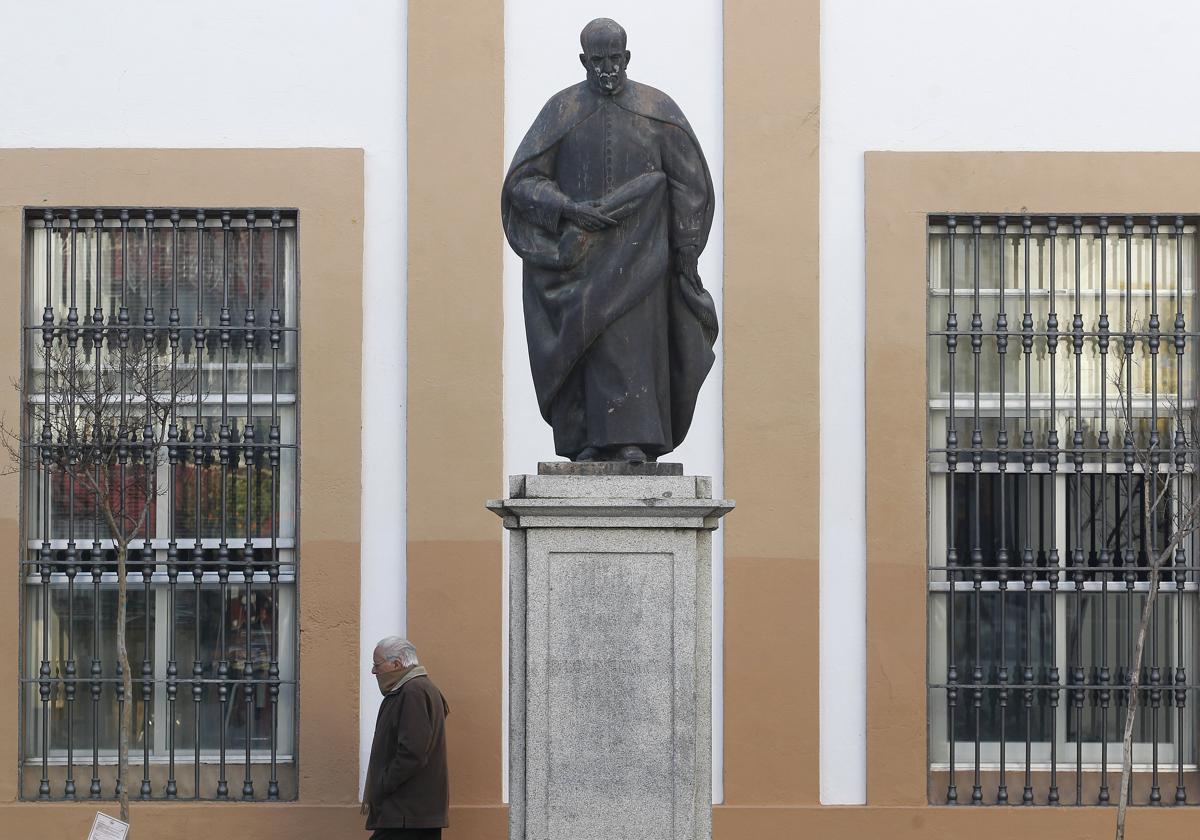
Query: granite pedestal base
[610, 654]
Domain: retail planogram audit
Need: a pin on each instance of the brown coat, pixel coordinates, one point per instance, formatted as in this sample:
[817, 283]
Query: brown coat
[407, 779]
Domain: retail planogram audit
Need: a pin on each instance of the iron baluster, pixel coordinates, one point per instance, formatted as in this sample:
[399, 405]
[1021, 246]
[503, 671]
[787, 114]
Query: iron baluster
[199, 458]
[1150, 485]
[1105, 557]
[96, 670]
[1077, 560]
[45, 556]
[1180, 559]
[149, 459]
[250, 454]
[1027, 558]
[223, 437]
[1129, 557]
[123, 456]
[173, 323]
[1002, 552]
[951, 544]
[976, 548]
[1052, 337]
[71, 459]
[273, 454]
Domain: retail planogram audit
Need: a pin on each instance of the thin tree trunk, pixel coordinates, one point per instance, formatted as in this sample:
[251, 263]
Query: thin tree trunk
[121, 542]
[1184, 527]
[1135, 669]
[126, 684]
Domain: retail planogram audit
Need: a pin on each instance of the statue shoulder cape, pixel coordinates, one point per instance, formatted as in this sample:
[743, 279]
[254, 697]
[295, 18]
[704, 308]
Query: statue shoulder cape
[567, 108]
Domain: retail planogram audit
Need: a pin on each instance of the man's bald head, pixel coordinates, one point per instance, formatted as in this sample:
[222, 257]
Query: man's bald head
[604, 55]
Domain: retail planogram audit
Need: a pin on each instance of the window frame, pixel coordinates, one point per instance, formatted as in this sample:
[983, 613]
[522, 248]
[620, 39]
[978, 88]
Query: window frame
[285, 585]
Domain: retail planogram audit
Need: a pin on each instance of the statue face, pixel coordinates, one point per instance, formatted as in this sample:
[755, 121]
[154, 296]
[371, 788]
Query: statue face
[605, 59]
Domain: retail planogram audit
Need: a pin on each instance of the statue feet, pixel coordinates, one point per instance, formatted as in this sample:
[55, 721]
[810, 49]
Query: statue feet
[633, 454]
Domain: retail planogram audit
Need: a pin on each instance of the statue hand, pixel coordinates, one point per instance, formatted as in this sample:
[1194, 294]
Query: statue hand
[587, 217]
[687, 261]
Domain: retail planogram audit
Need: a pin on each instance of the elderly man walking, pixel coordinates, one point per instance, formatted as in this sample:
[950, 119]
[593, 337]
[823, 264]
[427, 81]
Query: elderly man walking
[407, 795]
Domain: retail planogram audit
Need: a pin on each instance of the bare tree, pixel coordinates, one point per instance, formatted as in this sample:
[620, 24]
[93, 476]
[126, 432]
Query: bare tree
[104, 423]
[1162, 493]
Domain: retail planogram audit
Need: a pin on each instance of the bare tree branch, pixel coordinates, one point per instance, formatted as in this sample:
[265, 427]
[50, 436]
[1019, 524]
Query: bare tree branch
[1182, 526]
[103, 420]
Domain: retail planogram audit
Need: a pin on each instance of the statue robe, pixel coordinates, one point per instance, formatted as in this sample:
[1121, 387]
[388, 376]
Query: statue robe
[619, 343]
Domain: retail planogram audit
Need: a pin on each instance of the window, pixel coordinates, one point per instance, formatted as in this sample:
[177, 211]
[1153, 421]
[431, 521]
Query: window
[1061, 455]
[160, 397]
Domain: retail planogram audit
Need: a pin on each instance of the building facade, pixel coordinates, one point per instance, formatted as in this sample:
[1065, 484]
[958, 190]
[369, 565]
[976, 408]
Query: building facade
[844, 137]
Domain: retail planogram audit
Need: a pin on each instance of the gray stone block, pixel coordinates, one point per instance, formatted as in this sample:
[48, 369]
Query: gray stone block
[608, 468]
[610, 656]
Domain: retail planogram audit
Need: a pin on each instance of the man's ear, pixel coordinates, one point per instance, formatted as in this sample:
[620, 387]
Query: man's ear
[583, 60]
[626, 58]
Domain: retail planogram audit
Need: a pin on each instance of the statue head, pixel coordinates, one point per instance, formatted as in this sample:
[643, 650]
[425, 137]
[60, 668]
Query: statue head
[604, 55]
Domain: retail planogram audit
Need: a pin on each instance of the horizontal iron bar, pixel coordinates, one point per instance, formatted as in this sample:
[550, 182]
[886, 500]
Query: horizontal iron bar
[1063, 586]
[1114, 686]
[1063, 336]
[287, 574]
[1116, 221]
[162, 543]
[1065, 466]
[1017, 294]
[1043, 766]
[162, 214]
[134, 328]
[134, 445]
[183, 756]
[137, 680]
[235, 398]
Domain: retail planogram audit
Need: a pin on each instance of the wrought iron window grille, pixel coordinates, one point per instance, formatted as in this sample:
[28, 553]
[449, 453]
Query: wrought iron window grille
[159, 395]
[1062, 451]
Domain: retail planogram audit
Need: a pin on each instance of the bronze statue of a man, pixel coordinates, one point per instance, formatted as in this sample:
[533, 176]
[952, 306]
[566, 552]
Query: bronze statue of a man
[609, 202]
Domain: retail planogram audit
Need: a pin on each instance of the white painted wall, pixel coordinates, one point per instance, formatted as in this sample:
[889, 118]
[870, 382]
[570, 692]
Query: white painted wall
[677, 48]
[938, 75]
[322, 73]
[942, 75]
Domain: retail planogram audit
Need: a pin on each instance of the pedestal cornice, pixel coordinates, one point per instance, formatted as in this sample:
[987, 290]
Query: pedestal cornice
[610, 501]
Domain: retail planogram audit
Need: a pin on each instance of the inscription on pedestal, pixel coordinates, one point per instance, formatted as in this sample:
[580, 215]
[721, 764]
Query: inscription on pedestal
[610, 696]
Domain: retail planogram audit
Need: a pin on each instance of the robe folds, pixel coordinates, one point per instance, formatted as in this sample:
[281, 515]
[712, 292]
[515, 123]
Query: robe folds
[619, 342]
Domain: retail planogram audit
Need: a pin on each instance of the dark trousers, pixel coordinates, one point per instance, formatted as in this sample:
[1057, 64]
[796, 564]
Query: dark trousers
[407, 834]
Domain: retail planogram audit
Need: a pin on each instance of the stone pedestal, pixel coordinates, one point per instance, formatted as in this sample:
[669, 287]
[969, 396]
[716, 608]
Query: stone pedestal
[610, 652]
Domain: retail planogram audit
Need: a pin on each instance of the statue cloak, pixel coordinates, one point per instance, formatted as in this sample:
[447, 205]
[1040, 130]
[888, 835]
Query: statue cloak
[577, 284]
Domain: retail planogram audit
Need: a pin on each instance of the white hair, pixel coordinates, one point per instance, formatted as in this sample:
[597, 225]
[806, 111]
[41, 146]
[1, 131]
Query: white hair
[396, 647]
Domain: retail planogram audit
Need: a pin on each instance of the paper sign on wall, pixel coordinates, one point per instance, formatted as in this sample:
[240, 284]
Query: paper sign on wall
[108, 828]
